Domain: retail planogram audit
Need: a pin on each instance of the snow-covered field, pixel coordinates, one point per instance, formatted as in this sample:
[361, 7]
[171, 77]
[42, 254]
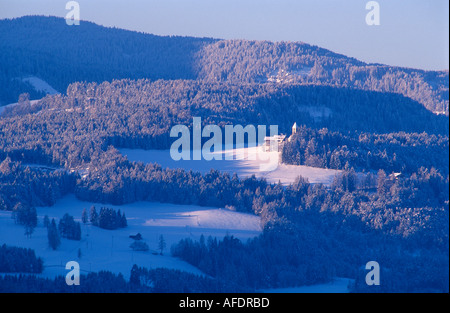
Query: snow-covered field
[109, 249]
[40, 85]
[252, 161]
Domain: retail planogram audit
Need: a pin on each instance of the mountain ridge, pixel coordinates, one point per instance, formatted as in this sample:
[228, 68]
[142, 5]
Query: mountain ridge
[47, 48]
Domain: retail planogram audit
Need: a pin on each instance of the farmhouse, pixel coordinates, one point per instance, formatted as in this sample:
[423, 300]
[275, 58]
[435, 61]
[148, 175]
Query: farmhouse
[274, 143]
[138, 236]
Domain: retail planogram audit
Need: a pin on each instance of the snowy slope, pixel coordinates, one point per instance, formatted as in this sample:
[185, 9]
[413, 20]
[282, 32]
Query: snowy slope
[109, 250]
[40, 85]
[252, 162]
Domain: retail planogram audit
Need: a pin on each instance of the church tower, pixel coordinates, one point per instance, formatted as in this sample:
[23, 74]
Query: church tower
[294, 131]
[294, 128]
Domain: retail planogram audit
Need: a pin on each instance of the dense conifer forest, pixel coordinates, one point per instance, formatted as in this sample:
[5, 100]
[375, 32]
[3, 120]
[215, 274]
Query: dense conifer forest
[45, 47]
[373, 122]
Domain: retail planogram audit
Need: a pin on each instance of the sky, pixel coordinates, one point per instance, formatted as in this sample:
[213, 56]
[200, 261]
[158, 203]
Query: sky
[411, 33]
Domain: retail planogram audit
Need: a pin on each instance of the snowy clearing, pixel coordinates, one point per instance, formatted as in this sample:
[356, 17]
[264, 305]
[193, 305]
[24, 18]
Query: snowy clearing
[40, 85]
[109, 249]
[252, 162]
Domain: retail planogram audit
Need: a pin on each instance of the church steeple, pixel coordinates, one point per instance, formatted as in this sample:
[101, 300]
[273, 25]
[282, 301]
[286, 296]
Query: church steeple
[294, 131]
[294, 128]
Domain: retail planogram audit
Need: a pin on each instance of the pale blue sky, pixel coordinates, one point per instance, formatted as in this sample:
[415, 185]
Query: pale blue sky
[412, 33]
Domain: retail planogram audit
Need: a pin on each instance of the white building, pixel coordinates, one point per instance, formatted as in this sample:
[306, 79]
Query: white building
[275, 143]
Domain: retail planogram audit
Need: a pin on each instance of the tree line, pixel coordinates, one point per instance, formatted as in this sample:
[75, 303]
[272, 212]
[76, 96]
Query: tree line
[142, 280]
[19, 260]
[107, 218]
[393, 152]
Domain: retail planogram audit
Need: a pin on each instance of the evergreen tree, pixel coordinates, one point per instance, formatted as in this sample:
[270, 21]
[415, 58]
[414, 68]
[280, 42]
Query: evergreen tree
[381, 183]
[84, 216]
[110, 219]
[118, 222]
[53, 235]
[28, 218]
[123, 221]
[29, 229]
[139, 246]
[94, 216]
[69, 229]
[161, 244]
[46, 221]
[14, 259]
[135, 276]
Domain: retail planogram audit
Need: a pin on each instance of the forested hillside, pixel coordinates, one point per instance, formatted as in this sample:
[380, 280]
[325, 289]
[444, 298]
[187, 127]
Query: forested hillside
[78, 132]
[72, 130]
[122, 89]
[292, 62]
[47, 48]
